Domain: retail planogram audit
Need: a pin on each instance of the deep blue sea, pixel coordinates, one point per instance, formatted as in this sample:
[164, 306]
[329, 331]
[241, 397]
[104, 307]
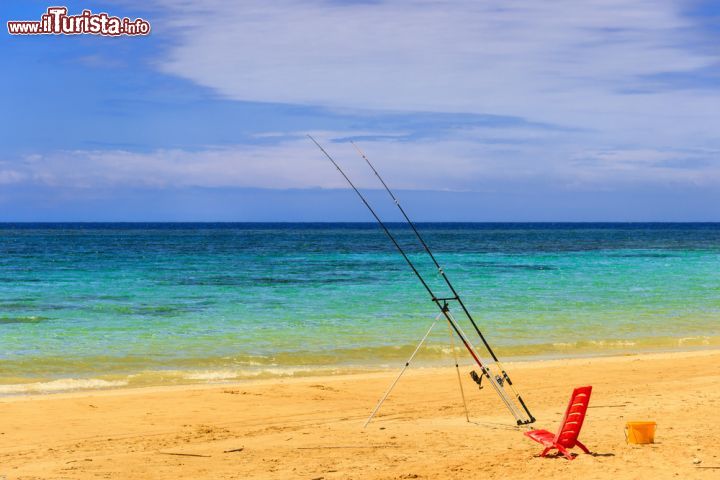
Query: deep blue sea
[101, 305]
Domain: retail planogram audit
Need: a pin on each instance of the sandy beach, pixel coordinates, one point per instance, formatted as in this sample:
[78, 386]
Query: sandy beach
[312, 427]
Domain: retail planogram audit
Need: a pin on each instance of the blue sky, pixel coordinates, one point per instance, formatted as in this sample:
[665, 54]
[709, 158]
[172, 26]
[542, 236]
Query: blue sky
[475, 111]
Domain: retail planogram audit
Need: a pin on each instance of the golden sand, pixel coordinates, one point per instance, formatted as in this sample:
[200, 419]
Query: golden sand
[311, 428]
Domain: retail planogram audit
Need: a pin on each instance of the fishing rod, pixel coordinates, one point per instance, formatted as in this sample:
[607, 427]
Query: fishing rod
[456, 296]
[442, 303]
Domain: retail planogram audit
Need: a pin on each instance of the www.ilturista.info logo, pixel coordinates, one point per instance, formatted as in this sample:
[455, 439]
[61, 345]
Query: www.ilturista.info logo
[57, 22]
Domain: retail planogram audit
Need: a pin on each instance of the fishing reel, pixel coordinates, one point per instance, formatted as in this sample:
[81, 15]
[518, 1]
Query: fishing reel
[477, 379]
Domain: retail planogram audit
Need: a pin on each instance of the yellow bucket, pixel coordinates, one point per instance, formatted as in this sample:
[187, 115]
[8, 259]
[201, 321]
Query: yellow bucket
[640, 432]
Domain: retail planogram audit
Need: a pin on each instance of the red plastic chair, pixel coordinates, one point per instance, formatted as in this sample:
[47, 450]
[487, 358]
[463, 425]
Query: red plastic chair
[567, 436]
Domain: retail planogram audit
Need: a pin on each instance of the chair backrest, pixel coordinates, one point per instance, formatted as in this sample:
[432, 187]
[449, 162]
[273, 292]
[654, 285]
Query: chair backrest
[574, 416]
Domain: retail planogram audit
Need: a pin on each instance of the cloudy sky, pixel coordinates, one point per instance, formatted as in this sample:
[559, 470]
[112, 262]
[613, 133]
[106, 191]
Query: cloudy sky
[602, 110]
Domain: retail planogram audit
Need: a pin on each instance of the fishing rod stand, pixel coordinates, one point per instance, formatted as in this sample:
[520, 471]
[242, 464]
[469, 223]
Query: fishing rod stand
[407, 364]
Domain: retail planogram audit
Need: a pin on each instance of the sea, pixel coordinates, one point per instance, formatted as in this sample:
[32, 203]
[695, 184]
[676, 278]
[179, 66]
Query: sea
[95, 305]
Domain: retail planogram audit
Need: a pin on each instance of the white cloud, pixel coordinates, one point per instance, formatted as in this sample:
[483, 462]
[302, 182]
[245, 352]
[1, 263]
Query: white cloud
[459, 163]
[581, 65]
[564, 62]
[11, 176]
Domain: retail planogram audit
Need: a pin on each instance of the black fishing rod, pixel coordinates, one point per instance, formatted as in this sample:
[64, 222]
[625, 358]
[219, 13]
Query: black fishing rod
[456, 296]
[440, 302]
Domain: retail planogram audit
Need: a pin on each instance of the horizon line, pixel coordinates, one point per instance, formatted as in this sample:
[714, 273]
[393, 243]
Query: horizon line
[256, 222]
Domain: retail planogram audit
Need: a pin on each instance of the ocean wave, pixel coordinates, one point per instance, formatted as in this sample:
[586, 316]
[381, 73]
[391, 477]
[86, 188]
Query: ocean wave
[698, 341]
[61, 385]
[611, 343]
[268, 372]
[211, 375]
[25, 319]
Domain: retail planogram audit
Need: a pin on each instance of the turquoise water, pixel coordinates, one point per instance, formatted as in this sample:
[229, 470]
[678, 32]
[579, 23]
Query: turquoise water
[93, 305]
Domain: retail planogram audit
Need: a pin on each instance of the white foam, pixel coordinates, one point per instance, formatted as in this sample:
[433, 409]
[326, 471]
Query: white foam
[211, 375]
[61, 385]
[693, 340]
[612, 343]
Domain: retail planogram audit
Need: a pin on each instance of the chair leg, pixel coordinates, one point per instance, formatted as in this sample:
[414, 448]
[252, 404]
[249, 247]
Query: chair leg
[582, 447]
[564, 451]
[544, 452]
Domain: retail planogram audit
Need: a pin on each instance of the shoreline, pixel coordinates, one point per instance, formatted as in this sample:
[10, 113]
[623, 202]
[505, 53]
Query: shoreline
[525, 364]
[311, 427]
[195, 378]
